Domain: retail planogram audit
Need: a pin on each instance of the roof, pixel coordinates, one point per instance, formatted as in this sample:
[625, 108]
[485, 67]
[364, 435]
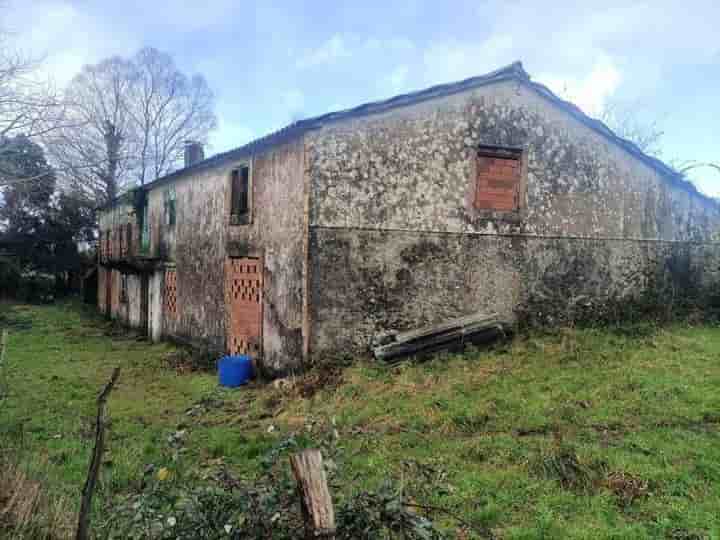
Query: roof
[513, 72]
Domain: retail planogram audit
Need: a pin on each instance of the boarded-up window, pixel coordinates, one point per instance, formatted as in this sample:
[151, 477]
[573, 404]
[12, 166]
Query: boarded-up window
[170, 293]
[499, 173]
[240, 196]
[243, 298]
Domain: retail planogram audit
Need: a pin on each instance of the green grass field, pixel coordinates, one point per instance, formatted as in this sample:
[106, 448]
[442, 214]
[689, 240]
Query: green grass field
[581, 433]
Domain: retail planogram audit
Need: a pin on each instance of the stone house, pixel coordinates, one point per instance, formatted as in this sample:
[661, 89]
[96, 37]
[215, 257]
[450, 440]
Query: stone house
[490, 194]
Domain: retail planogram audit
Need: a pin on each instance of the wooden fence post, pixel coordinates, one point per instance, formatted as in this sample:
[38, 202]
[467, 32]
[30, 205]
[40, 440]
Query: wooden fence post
[317, 507]
[3, 347]
[83, 527]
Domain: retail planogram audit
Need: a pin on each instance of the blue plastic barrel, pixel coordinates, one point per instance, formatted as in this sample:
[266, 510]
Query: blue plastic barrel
[235, 370]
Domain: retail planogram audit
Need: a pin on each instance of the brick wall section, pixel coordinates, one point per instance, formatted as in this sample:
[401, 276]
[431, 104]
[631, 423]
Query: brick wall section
[498, 182]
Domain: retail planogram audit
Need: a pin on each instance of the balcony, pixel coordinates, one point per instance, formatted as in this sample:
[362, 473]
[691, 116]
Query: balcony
[121, 246]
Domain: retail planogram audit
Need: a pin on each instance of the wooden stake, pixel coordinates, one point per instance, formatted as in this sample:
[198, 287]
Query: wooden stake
[83, 527]
[317, 508]
[3, 347]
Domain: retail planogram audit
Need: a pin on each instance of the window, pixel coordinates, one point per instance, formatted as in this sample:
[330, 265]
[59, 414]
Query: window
[169, 206]
[145, 233]
[240, 196]
[123, 289]
[128, 240]
[498, 178]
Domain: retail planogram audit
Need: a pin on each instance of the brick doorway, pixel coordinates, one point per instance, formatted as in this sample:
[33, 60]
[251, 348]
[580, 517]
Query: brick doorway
[243, 298]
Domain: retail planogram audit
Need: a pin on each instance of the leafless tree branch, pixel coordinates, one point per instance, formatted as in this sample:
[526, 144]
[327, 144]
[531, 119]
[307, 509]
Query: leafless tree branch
[128, 121]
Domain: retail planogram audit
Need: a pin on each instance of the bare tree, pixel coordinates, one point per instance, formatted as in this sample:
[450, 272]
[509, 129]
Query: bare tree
[624, 119]
[167, 109]
[29, 105]
[90, 148]
[128, 122]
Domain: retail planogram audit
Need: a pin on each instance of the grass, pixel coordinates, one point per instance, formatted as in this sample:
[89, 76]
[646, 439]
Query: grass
[581, 433]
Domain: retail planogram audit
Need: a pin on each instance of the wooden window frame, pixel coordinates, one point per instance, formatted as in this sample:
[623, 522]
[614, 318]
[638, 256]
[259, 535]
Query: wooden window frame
[503, 152]
[170, 206]
[145, 227]
[236, 215]
[123, 289]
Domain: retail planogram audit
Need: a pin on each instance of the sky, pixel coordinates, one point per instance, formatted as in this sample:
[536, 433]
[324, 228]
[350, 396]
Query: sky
[270, 63]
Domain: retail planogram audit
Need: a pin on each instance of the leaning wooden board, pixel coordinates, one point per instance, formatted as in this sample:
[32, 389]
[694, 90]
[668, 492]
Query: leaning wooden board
[454, 334]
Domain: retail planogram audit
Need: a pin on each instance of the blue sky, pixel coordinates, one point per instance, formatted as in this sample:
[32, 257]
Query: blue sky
[270, 62]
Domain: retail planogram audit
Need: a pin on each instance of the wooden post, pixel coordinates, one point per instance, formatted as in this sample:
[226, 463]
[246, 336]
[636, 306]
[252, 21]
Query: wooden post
[317, 508]
[83, 527]
[3, 347]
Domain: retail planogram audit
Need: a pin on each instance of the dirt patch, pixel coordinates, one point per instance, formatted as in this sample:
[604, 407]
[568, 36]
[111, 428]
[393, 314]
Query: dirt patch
[627, 487]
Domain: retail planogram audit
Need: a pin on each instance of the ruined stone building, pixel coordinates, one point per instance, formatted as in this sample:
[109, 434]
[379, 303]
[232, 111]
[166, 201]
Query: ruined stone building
[491, 194]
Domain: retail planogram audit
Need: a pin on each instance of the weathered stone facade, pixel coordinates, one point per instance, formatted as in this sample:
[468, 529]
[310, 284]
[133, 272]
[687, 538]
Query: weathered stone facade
[391, 200]
[198, 243]
[368, 221]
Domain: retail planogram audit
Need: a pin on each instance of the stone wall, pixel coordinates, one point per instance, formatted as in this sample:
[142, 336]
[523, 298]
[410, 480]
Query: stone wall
[202, 237]
[396, 241]
[276, 235]
[195, 247]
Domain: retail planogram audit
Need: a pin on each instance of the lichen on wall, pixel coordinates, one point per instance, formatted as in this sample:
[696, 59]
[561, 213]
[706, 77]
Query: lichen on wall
[396, 242]
[275, 235]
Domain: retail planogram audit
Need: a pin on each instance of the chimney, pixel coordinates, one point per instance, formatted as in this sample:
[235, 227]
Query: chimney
[193, 153]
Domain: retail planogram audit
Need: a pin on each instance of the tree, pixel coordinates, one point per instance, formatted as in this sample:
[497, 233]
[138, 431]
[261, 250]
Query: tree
[24, 204]
[129, 120]
[625, 120]
[42, 225]
[167, 109]
[28, 105]
[92, 149]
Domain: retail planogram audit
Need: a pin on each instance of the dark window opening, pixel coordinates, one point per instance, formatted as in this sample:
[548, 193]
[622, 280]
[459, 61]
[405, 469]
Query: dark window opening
[169, 200]
[129, 239]
[145, 232]
[123, 289]
[498, 178]
[240, 196]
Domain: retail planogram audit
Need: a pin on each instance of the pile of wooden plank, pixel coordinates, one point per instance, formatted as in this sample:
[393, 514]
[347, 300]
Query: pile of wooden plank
[452, 335]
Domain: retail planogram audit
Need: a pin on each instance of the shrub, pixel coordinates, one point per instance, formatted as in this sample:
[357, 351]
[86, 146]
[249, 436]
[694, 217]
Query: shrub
[10, 277]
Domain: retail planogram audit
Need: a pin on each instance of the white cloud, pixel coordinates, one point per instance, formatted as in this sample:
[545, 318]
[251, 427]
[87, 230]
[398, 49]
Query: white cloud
[293, 101]
[393, 45]
[589, 91]
[327, 53]
[344, 46]
[707, 180]
[228, 135]
[454, 60]
[65, 36]
[396, 81]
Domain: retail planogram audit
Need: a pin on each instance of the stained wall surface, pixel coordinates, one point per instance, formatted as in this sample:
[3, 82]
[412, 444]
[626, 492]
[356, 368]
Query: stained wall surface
[201, 238]
[396, 242]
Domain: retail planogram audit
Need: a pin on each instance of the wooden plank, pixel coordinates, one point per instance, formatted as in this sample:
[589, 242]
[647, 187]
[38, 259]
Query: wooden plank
[460, 322]
[317, 507]
[454, 334]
